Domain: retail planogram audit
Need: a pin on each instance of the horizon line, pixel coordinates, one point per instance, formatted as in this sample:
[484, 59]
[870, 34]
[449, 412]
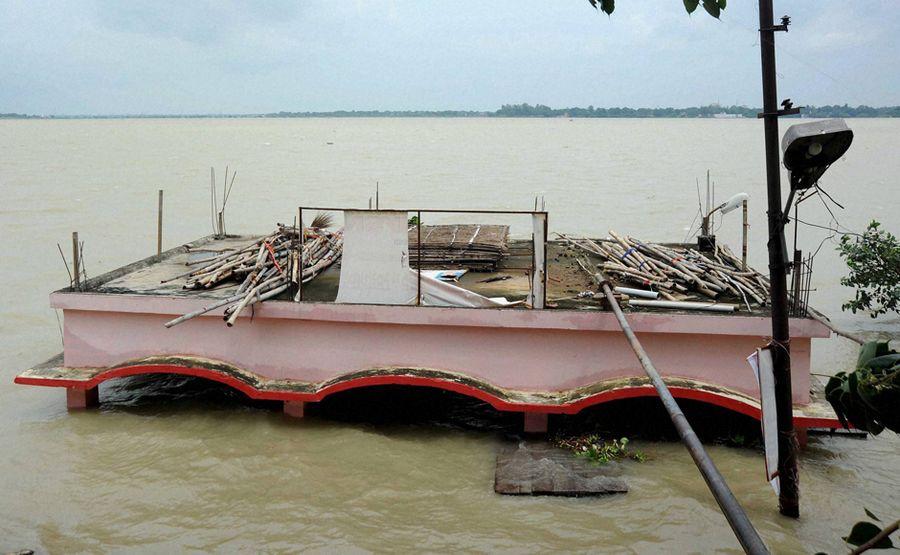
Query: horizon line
[524, 110]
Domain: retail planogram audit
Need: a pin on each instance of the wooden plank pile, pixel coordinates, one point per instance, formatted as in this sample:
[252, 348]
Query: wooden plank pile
[477, 247]
[677, 273]
[265, 268]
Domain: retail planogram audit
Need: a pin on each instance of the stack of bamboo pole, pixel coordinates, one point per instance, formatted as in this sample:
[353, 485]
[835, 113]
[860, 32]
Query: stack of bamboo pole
[265, 268]
[677, 273]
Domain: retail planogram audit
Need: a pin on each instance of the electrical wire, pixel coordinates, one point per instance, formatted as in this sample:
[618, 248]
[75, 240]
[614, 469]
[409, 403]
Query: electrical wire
[831, 198]
[827, 238]
[691, 231]
[786, 50]
[699, 213]
[831, 229]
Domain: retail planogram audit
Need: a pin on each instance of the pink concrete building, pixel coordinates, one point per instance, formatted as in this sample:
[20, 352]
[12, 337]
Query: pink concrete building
[536, 361]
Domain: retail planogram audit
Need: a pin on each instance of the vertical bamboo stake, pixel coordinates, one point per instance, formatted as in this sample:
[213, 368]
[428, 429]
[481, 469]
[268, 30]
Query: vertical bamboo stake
[212, 198]
[544, 269]
[299, 296]
[159, 224]
[419, 258]
[744, 240]
[797, 284]
[708, 205]
[76, 261]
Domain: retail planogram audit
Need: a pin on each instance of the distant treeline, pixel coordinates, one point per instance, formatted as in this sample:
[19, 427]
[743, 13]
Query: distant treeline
[542, 111]
[535, 111]
[386, 114]
[712, 110]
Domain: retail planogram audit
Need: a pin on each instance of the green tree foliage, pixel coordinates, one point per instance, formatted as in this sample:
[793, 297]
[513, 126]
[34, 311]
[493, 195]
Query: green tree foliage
[867, 535]
[874, 262]
[708, 111]
[712, 7]
[869, 397]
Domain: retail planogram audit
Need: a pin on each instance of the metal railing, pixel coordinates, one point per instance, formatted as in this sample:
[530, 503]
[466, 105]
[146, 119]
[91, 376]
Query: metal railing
[536, 265]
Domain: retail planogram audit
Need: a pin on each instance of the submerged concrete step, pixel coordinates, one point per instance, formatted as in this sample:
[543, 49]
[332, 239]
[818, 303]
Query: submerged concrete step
[538, 468]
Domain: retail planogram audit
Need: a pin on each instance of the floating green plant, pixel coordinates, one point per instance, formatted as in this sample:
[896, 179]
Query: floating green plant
[598, 450]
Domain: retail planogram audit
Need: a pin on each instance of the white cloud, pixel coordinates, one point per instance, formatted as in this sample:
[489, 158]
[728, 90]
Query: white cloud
[104, 56]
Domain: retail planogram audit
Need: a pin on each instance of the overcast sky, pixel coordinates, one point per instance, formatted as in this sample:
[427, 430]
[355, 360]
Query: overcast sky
[243, 56]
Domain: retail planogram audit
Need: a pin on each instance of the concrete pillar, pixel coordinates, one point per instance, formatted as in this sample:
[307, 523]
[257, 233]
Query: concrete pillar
[81, 398]
[294, 409]
[536, 422]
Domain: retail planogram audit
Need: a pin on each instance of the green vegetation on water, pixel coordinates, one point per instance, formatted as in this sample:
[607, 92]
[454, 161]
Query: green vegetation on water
[598, 450]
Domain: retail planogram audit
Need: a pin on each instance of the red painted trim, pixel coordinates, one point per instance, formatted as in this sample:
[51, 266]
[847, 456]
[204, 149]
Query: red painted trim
[709, 397]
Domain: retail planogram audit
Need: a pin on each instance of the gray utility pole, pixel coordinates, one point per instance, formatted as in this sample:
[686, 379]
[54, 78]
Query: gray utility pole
[789, 498]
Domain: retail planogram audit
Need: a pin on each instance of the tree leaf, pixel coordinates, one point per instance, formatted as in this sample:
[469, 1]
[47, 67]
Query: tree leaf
[712, 8]
[722, 4]
[873, 517]
[607, 6]
[871, 350]
[864, 531]
[691, 5]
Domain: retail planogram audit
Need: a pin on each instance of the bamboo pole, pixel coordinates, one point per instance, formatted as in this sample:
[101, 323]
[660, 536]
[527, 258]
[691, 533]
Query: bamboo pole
[298, 297]
[746, 229]
[255, 292]
[203, 310]
[684, 270]
[266, 268]
[212, 198]
[734, 513]
[631, 248]
[794, 300]
[419, 257]
[702, 286]
[815, 315]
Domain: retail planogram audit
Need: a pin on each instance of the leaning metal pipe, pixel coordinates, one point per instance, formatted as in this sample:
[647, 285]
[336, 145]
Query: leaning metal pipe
[734, 513]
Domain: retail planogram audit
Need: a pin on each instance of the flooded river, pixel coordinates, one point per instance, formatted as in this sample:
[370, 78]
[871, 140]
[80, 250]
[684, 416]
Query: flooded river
[173, 465]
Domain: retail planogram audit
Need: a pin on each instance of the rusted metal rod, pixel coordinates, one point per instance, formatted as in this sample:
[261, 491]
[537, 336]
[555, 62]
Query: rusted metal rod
[429, 210]
[159, 224]
[76, 262]
[734, 513]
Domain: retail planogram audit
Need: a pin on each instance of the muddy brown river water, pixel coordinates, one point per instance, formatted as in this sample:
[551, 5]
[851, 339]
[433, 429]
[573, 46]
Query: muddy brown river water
[175, 465]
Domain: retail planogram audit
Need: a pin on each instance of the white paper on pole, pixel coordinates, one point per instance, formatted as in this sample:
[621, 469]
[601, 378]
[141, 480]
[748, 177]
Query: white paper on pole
[375, 260]
[761, 362]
